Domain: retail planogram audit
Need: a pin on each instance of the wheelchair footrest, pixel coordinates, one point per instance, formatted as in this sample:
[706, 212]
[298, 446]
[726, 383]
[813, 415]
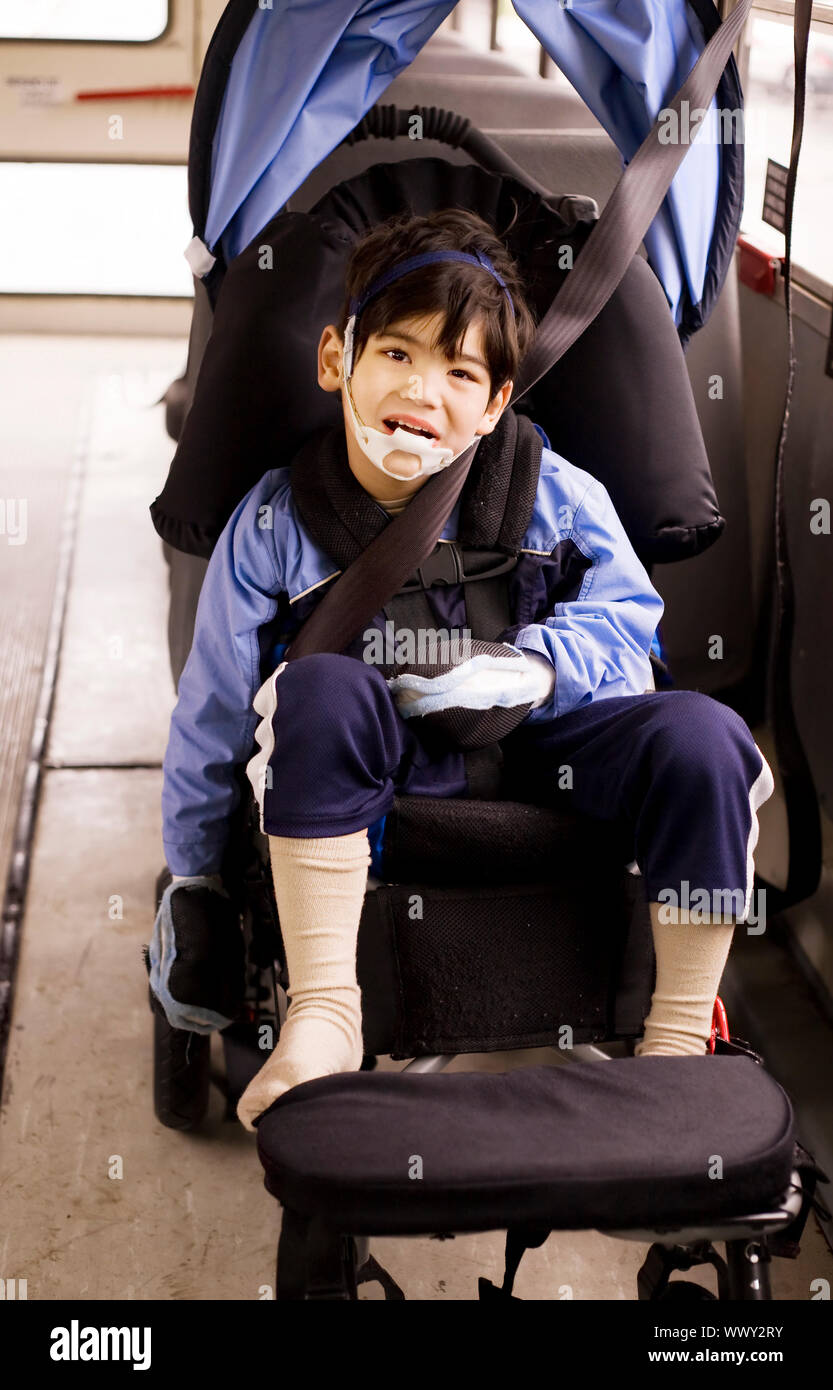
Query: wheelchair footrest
[628, 1143]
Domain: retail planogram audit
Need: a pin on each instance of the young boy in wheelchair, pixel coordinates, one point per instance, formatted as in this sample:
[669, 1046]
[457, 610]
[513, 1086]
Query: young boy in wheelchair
[430, 335]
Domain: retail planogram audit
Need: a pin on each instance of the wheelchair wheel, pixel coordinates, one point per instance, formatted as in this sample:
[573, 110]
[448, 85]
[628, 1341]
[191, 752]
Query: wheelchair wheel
[181, 1073]
[684, 1291]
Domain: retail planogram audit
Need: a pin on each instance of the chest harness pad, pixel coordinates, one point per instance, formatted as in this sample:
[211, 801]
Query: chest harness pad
[496, 506]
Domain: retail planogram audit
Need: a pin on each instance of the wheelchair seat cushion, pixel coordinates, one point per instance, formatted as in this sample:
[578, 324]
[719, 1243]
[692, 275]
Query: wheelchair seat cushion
[460, 842]
[628, 1143]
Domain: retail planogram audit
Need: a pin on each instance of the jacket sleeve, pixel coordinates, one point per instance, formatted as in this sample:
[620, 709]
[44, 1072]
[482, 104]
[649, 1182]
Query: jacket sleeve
[213, 723]
[599, 642]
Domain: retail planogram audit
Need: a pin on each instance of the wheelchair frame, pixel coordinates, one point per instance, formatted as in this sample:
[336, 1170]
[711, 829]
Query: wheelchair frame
[316, 1261]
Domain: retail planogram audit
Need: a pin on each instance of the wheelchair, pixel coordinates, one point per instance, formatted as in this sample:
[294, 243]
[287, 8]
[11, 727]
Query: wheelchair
[478, 940]
[475, 935]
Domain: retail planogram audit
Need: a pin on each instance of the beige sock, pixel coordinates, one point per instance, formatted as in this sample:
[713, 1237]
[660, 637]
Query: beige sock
[690, 961]
[319, 889]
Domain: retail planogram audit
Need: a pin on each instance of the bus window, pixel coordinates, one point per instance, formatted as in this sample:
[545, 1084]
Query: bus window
[768, 131]
[123, 229]
[88, 21]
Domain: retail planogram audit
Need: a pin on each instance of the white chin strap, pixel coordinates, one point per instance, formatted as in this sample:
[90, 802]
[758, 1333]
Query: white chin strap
[376, 445]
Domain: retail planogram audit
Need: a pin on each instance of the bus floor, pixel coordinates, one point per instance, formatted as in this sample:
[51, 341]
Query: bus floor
[100, 1201]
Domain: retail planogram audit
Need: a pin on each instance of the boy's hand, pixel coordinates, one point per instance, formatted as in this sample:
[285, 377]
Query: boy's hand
[197, 956]
[476, 700]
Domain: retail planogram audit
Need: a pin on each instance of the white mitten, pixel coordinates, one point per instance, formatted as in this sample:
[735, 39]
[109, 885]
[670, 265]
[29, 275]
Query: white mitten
[476, 700]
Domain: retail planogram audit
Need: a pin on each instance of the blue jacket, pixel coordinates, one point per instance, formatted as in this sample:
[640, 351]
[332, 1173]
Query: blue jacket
[579, 596]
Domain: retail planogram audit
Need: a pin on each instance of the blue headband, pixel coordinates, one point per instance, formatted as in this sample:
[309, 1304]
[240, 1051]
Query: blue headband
[427, 258]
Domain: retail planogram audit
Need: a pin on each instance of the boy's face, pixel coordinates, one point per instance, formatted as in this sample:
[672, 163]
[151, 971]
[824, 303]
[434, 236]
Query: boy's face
[399, 377]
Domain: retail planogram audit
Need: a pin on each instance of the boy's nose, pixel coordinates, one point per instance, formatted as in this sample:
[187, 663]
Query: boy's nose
[423, 389]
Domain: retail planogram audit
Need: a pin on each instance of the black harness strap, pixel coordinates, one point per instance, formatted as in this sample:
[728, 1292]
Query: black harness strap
[487, 615]
[488, 609]
[484, 576]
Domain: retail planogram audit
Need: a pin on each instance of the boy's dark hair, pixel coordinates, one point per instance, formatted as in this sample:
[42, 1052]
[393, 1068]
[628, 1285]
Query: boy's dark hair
[460, 291]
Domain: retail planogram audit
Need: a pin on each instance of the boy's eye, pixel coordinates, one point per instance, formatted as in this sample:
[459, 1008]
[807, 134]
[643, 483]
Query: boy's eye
[400, 353]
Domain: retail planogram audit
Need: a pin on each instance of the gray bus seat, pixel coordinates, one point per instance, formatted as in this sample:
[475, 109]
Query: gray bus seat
[585, 161]
[496, 102]
[709, 598]
[454, 62]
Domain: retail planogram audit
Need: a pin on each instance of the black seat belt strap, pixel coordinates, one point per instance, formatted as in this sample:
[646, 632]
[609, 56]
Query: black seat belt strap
[800, 795]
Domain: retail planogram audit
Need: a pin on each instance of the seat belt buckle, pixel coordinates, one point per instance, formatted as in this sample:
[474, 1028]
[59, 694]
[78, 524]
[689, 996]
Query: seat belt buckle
[443, 566]
[447, 564]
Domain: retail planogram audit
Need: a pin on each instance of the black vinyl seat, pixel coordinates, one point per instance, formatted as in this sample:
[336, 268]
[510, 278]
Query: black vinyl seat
[586, 1147]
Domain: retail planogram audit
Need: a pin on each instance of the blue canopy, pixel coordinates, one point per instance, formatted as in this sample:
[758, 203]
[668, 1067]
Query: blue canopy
[305, 72]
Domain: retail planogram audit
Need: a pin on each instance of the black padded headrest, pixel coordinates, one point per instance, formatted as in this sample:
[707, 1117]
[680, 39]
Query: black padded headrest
[618, 404]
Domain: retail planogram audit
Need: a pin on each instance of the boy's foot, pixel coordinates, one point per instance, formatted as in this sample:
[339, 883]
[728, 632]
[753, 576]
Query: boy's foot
[309, 1046]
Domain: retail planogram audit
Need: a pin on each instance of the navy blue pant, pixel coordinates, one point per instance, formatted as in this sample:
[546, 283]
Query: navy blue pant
[677, 769]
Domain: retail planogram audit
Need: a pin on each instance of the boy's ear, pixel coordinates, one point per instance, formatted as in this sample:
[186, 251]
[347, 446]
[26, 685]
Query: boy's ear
[330, 348]
[495, 408]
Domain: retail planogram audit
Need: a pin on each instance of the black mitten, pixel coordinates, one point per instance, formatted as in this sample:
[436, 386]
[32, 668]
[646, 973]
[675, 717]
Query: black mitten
[197, 957]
